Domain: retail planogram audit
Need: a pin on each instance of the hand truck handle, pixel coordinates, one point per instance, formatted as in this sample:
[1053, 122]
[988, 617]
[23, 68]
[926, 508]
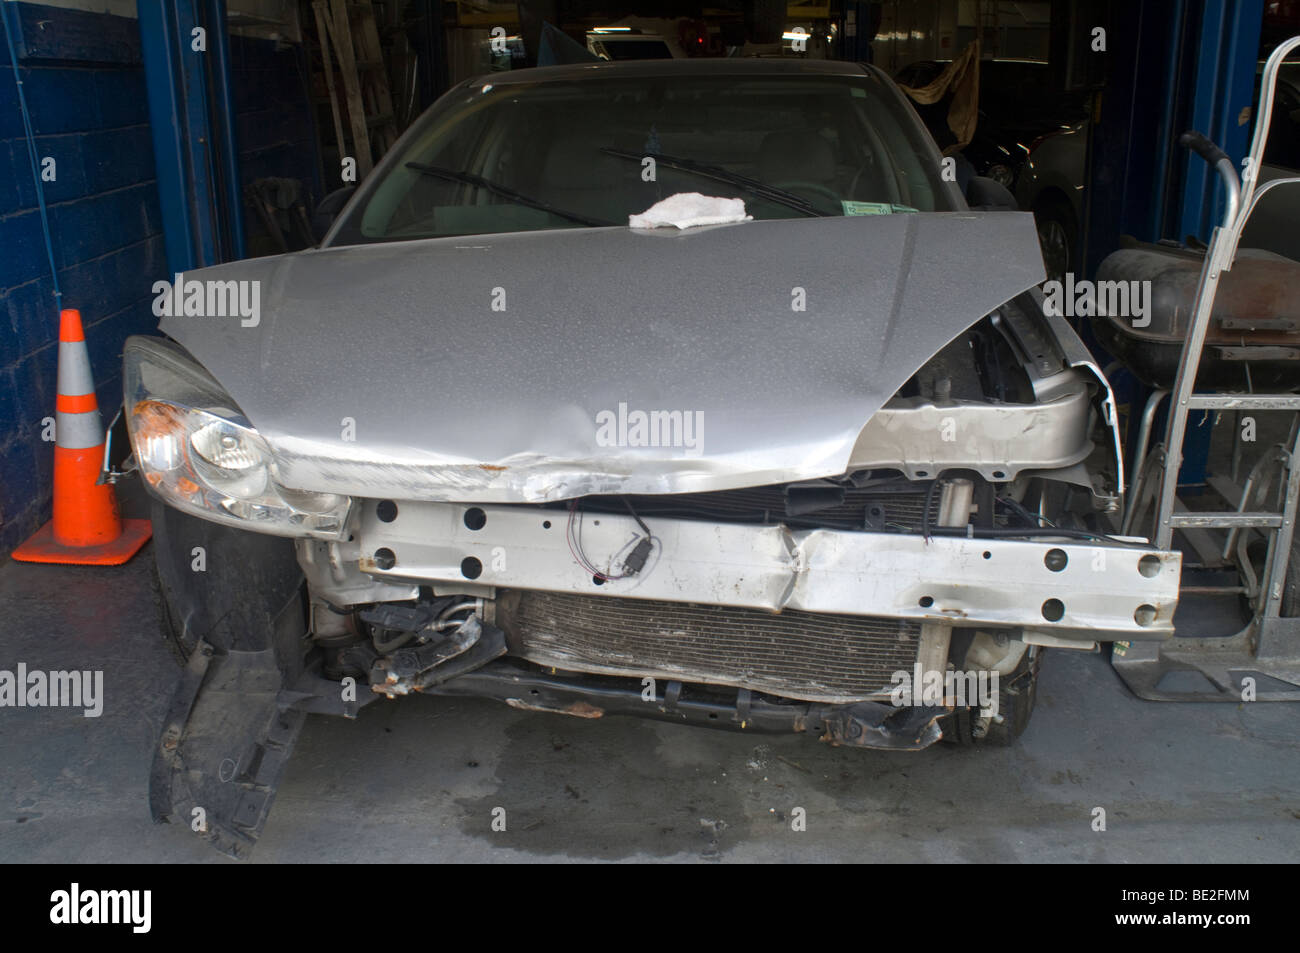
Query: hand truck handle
[1216, 157]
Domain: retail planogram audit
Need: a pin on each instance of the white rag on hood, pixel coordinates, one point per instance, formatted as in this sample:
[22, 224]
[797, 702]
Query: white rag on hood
[687, 209]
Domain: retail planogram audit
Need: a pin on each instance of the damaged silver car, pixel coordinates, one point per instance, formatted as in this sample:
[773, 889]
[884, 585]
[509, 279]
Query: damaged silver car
[813, 470]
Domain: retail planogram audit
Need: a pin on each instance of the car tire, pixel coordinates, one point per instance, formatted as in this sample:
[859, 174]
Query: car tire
[179, 646]
[233, 599]
[1017, 693]
[1058, 236]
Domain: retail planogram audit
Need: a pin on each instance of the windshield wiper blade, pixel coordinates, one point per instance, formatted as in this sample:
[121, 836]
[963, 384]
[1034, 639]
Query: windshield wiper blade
[742, 182]
[519, 198]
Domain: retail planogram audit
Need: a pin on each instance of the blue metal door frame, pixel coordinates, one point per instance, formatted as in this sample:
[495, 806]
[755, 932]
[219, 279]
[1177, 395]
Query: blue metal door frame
[191, 116]
[1227, 54]
[1173, 65]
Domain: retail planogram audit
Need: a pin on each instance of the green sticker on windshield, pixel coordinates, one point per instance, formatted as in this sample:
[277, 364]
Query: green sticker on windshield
[873, 208]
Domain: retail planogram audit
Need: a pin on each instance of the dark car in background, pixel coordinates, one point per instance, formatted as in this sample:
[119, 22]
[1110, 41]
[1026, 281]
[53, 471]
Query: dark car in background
[1051, 186]
[1018, 103]
[1053, 179]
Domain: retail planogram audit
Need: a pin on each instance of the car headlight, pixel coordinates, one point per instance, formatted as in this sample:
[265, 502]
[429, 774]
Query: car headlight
[198, 452]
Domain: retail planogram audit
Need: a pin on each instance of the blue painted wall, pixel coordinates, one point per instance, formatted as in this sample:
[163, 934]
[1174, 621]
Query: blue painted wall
[85, 90]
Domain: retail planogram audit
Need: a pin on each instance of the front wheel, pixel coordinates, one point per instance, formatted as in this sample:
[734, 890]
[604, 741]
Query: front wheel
[180, 642]
[224, 586]
[1016, 695]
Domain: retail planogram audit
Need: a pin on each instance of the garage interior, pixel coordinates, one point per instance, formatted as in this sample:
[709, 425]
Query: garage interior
[126, 159]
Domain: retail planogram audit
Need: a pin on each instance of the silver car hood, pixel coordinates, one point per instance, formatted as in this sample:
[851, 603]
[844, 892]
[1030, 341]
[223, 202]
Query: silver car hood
[386, 371]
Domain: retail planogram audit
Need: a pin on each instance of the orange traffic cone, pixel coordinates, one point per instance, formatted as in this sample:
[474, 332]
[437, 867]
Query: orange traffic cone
[86, 529]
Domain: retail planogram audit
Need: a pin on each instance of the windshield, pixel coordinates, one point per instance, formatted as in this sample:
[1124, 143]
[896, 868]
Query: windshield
[592, 151]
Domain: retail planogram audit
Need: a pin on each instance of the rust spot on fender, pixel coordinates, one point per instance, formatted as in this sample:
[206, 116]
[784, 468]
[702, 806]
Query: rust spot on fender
[492, 467]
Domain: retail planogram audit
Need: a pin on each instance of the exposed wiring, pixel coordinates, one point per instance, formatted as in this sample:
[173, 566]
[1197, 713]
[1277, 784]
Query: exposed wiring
[1027, 532]
[382, 647]
[1023, 512]
[635, 562]
[639, 522]
[572, 537]
[1008, 532]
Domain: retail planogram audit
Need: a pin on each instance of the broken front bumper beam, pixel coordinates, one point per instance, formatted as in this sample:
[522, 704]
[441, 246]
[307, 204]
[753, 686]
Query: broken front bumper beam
[859, 725]
[1067, 589]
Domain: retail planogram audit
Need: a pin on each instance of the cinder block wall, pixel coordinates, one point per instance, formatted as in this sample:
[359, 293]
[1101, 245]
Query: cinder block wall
[85, 90]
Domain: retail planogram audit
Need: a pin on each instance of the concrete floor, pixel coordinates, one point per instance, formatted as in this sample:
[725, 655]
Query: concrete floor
[418, 779]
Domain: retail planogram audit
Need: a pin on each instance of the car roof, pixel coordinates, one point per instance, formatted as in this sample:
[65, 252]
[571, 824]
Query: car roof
[728, 66]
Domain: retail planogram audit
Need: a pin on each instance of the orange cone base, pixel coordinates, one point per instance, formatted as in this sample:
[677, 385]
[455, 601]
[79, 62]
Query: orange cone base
[42, 547]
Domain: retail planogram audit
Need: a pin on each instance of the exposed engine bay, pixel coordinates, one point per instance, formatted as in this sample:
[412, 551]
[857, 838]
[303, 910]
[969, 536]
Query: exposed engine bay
[804, 598]
[868, 555]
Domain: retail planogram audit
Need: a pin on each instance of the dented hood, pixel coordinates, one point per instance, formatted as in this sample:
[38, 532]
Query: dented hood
[511, 368]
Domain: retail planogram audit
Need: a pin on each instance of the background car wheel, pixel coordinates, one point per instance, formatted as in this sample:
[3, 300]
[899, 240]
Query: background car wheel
[1058, 235]
[1002, 174]
[1016, 695]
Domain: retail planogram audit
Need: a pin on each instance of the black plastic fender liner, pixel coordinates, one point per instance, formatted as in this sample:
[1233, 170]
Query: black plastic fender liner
[243, 584]
[224, 748]
[234, 600]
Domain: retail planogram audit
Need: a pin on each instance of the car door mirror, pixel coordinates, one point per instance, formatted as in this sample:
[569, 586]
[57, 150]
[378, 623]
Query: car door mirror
[328, 209]
[985, 194]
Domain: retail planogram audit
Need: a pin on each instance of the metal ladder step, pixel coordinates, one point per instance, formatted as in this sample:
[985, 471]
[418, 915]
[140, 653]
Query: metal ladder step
[1228, 520]
[1269, 643]
[1243, 402]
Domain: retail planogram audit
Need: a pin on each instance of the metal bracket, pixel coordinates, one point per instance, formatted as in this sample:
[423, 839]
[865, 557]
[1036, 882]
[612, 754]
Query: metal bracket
[107, 474]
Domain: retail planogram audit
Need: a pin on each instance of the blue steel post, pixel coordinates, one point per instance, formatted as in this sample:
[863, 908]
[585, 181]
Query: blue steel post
[1227, 55]
[202, 222]
[223, 109]
[1174, 51]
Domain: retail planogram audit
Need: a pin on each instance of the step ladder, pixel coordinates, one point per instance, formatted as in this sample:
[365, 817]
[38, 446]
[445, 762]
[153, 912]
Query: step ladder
[1267, 650]
[349, 34]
